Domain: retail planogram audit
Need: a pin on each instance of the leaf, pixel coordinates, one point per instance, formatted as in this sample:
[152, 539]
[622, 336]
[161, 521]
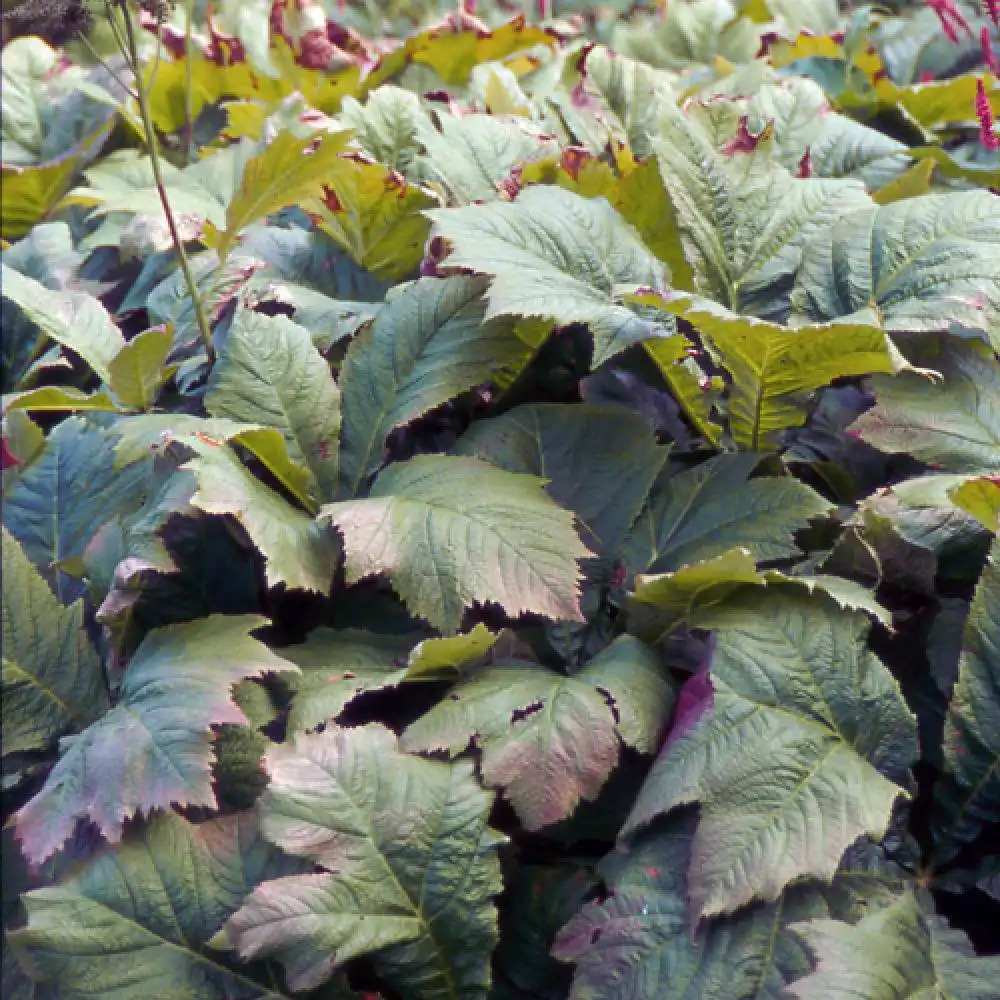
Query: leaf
[72, 319]
[268, 372]
[134, 921]
[968, 792]
[952, 423]
[981, 499]
[299, 552]
[51, 516]
[923, 264]
[794, 746]
[558, 256]
[691, 594]
[600, 461]
[693, 516]
[375, 216]
[338, 665]
[55, 399]
[52, 678]
[428, 344]
[287, 171]
[152, 750]
[389, 128]
[450, 531]
[471, 155]
[137, 372]
[549, 740]
[893, 954]
[410, 866]
[744, 219]
[638, 941]
[775, 369]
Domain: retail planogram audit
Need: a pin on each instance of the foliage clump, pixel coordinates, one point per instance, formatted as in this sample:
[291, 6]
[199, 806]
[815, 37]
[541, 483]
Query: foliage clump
[502, 505]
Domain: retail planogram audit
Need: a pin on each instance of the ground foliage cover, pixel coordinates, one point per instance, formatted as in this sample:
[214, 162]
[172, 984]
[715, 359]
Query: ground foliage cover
[567, 568]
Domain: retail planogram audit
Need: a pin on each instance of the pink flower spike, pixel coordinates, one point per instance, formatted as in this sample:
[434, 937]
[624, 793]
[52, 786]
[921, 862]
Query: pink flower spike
[989, 56]
[987, 134]
[993, 9]
[951, 18]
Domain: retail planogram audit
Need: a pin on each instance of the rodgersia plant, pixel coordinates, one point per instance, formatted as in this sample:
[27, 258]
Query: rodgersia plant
[499, 510]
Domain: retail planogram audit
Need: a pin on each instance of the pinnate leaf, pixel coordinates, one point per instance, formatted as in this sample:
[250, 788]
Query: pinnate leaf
[547, 739]
[286, 172]
[556, 255]
[968, 794]
[153, 749]
[774, 368]
[794, 744]
[953, 423]
[600, 461]
[72, 319]
[923, 263]
[268, 372]
[450, 531]
[409, 866]
[693, 516]
[299, 551]
[428, 344]
[134, 922]
[52, 679]
[895, 953]
[638, 941]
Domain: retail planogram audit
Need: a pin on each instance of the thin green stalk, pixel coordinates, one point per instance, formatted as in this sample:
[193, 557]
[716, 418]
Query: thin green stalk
[132, 54]
[188, 81]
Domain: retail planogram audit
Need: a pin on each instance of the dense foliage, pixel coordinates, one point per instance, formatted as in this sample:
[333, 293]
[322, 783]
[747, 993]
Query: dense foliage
[554, 553]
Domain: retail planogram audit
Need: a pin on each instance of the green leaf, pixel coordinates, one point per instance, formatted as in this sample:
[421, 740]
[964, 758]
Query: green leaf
[72, 319]
[558, 256]
[981, 499]
[268, 372]
[336, 666]
[153, 749]
[428, 344]
[638, 941]
[692, 516]
[410, 866]
[691, 594]
[49, 513]
[471, 155]
[600, 461]
[375, 216]
[450, 531]
[968, 793]
[339, 664]
[137, 372]
[549, 740]
[149, 433]
[299, 552]
[135, 920]
[52, 678]
[953, 423]
[896, 953]
[288, 171]
[793, 744]
[389, 128]
[775, 369]
[744, 219]
[923, 264]
[57, 398]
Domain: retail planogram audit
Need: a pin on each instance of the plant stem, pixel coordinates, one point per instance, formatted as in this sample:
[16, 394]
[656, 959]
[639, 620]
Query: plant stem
[132, 54]
[188, 82]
